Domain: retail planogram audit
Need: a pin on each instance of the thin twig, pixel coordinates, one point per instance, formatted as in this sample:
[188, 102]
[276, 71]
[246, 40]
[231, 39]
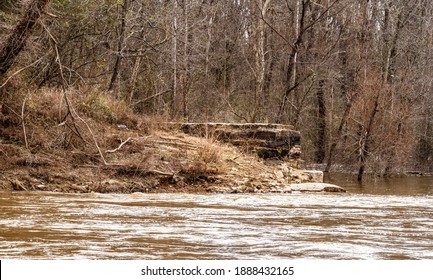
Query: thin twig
[20, 70]
[23, 123]
[150, 97]
[233, 111]
[12, 110]
[69, 106]
[91, 133]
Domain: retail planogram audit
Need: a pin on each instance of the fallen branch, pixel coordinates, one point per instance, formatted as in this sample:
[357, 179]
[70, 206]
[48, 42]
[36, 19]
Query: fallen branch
[157, 172]
[178, 144]
[17, 185]
[120, 146]
[136, 170]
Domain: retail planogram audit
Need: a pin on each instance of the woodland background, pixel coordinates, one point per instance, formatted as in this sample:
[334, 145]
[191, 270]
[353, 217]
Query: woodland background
[354, 76]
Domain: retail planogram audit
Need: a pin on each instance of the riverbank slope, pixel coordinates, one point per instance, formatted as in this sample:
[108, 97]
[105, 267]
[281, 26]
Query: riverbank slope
[86, 141]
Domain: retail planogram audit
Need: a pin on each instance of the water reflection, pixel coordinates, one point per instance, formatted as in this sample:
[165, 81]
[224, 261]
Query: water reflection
[398, 185]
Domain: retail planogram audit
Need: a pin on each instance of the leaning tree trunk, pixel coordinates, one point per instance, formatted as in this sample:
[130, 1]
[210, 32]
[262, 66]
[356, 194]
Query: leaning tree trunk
[16, 41]
[365, 148]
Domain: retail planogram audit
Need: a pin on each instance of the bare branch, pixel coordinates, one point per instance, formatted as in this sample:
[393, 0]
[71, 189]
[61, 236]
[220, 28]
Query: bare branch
[120, 146]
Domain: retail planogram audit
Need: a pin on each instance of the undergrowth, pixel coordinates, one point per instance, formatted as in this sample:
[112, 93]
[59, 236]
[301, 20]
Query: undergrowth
[47, 134]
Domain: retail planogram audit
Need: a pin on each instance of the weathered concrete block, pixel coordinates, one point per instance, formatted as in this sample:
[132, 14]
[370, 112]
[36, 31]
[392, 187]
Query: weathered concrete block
[267, 140]
[313, 187]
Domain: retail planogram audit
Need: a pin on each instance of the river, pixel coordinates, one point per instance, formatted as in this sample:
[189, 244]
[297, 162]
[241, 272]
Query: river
[381, 219]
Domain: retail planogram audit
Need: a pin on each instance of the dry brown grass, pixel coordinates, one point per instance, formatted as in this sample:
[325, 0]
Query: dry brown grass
[146, 154]
[209, 152]
[48, 123]
[206, 158]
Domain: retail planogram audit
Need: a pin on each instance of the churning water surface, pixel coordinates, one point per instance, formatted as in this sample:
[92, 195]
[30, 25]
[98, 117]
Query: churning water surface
[355, 225]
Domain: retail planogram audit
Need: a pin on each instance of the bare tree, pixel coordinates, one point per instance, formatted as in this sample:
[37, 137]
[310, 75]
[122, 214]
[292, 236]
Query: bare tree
[120, 44]
[353, 76]
[260, 7]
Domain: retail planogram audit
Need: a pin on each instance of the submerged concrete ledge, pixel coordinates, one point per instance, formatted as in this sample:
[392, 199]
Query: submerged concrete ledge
[314, 187]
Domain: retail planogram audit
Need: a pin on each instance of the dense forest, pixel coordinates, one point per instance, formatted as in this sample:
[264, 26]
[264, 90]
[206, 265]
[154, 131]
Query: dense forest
[354, 76]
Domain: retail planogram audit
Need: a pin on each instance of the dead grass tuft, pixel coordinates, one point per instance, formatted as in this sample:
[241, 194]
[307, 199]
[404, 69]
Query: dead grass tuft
[208, 152]
[206, 159]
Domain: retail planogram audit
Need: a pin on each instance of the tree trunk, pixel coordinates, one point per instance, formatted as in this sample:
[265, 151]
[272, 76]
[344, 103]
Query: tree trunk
[208, 42]
[321, 123]
[119, 46]
[259, 53]
[269, 75]
[291, 67]
[365, 148]
[173, 98]
[185, 76]
[388, 76]
[339, 132]
[17, 39]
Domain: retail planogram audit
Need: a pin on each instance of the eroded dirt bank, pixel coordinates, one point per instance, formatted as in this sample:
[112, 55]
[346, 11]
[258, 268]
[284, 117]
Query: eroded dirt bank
[88, 142]
[164, 161]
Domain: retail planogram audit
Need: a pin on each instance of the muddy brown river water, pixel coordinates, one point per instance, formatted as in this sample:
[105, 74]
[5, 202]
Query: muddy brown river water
[380, 219]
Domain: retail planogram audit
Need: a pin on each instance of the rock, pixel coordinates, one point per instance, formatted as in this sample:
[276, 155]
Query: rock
[313, 187]
[78, 188]
[278, 144]
[279, 175]
[314, 176]
[41, 187]
[306, 176]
